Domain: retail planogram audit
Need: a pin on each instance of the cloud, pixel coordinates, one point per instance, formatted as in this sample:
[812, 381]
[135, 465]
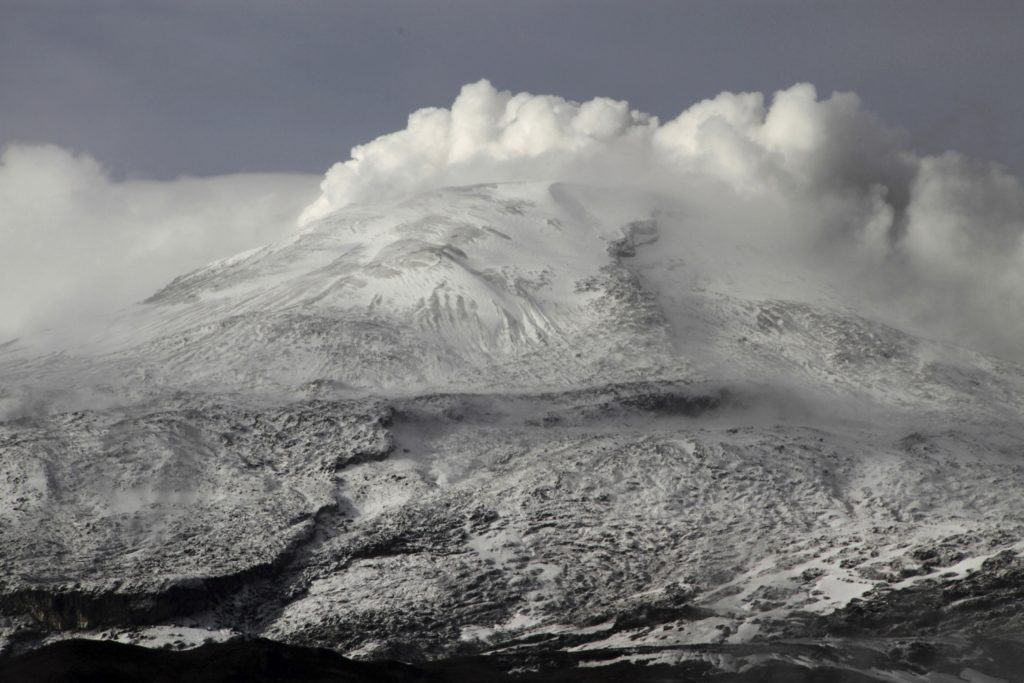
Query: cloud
[491, 135]
[74, 243]
[933, 242]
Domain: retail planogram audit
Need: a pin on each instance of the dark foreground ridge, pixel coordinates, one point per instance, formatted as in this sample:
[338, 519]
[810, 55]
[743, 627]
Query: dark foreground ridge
[88, 661]
[261, 660]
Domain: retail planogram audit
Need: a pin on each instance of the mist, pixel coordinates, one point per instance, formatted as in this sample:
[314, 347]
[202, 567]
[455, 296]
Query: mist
[76, 244]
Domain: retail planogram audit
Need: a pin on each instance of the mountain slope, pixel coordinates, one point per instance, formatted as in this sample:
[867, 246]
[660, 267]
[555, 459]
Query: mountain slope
[496, 418]
[522, 286]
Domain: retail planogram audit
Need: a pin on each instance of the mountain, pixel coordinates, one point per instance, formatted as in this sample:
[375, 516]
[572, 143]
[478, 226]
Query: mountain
[545, 425]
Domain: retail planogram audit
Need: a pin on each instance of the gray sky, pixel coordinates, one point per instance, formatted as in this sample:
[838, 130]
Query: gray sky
[158, 89]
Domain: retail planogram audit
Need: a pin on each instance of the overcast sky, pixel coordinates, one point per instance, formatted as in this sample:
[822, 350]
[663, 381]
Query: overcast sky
[158, 89]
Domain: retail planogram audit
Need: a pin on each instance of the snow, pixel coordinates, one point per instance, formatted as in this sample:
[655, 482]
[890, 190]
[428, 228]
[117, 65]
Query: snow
[539, 451]
[161, 636]
[974, 676]
[517, 623]
[840, 590]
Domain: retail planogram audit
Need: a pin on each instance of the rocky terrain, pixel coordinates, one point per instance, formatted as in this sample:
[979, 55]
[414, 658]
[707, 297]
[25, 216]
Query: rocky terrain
[518, 426]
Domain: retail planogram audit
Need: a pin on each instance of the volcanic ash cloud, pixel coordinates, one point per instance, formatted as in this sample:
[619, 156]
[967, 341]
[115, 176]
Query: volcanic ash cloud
[935, 240]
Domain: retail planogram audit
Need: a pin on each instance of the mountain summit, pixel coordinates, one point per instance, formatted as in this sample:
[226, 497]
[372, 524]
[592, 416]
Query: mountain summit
[523, 286]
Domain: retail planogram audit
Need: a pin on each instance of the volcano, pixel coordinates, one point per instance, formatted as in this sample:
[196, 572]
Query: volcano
[549, 427]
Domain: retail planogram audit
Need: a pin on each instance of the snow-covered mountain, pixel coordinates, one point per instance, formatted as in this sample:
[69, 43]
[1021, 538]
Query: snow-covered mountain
[517, 418]
[529, 285]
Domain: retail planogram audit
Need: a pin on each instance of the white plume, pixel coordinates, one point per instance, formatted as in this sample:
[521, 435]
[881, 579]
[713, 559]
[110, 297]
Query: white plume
[938, 239]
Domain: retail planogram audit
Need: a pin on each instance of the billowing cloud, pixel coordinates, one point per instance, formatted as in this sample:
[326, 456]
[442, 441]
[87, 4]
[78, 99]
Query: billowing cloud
[493, 136]
[75, 243]
[935, 241]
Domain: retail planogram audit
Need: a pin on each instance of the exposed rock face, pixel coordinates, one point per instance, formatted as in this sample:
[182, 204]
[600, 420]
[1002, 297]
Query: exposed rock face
[989, 600]
[404, 434]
